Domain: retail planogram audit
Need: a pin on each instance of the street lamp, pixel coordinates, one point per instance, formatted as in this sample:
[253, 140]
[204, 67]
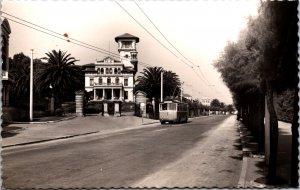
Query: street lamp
[181, 92]
[161, 85]
[51, 100]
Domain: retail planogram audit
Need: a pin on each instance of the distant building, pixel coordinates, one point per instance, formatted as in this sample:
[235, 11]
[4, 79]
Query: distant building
[187, 96]
[205, 101]
[5, 28]
[111, 79]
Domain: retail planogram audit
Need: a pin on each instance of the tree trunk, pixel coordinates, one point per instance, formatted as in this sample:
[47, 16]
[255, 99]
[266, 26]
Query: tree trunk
[295, 143]
[261, 128]
[273, 134]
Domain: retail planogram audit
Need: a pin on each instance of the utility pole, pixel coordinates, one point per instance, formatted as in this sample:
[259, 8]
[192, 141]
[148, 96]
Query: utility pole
[161, 86]
[31, 88]
[181, 92]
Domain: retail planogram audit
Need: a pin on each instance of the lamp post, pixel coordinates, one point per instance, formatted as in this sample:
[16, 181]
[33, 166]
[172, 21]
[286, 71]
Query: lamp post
[51, 100]
[181, 92]
[31, 88]
[161, 85]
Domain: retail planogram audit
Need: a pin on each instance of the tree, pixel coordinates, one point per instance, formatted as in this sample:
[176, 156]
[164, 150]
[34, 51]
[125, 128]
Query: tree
[279, 70]
[61, 73]
[263, 63]
[150, 82]
[19, 75]
[215, 105]
[229, 108]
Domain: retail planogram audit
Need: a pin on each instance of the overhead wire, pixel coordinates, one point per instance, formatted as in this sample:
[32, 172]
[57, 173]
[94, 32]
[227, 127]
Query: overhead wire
[203, 78]
[79, 43]
[149, 32]
[74, 41]
[170, 42]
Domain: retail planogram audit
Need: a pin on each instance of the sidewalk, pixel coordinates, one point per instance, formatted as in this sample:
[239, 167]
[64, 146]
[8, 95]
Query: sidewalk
[255, 169]
[21, 133]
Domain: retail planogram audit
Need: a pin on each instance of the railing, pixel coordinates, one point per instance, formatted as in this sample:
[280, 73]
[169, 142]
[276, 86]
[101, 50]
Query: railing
[133, 59]
[107, 84]
[114, 98]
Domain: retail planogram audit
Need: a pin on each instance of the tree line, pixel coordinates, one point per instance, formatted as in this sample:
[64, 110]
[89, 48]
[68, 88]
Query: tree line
[150, 82]
[54, 75]
[261, 69]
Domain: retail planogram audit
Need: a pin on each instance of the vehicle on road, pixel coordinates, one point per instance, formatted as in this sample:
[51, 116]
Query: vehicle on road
[173, 112]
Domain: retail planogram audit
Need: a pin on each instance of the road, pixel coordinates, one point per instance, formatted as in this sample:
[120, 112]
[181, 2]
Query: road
[200, 153]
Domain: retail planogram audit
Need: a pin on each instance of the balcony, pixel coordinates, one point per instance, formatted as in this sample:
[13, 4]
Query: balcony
[108, 84]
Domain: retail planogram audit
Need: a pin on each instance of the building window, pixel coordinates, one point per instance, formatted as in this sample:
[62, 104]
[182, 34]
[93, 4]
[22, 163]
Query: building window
[98, 71]
[126, 95]
[110, 70]
[100, 80]
[115, 71]
[106, 71]
[119, 71]
[102, 71]
[117, 80]
[108, 80]
[127, 44]
[125, 82]
[91, 81]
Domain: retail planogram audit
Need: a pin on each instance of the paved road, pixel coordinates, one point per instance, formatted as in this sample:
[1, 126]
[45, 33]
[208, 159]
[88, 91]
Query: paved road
[197, 154]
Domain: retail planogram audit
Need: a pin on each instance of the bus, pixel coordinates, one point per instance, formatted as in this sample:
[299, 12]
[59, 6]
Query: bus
[173, 112]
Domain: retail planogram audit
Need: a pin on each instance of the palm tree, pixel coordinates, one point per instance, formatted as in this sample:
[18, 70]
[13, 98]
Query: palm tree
[150, 82]
[61, 74]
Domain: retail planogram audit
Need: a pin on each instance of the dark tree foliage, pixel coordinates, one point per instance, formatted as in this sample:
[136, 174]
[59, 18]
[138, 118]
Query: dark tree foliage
[61, 73]
[19, 75]
[150, 82]
[264, 63]
[279, 69]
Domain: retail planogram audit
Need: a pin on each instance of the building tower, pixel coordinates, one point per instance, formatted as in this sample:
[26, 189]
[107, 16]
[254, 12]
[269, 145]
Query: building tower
[127, 50]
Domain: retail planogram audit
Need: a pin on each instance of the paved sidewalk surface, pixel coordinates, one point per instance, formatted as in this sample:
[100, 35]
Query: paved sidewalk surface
[21, 133]
[256, 169]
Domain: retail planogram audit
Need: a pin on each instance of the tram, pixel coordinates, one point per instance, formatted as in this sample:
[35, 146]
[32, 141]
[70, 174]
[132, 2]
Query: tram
[173, 112]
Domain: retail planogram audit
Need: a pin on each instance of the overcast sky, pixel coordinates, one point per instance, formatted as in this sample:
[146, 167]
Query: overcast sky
[198, 29]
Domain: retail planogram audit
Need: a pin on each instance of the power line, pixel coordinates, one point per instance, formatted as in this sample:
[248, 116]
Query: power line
[57, 35]
[159, 31]
[149, 32]
[170, 42]
[63, 37]
[203, 76]
[157, 39]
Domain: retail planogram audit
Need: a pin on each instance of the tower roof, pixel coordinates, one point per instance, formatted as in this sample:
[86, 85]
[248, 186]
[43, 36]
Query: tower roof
[127, 36]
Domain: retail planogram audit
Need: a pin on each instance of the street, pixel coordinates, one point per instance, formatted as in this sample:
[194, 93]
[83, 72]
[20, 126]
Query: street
[200, 153]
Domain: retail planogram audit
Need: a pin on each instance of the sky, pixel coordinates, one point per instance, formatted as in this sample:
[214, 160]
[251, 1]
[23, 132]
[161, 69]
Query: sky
[199, 30]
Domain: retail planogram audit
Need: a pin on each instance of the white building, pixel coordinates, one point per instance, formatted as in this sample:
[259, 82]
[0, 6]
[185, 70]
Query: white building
[111, 79]
[205, 101]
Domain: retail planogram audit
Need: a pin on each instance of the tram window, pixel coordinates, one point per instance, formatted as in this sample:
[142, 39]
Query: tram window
[164, 106]
[172, 106]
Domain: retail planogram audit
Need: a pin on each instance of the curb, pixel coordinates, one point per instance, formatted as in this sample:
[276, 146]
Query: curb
[42, 122]
[70, 136]
[150, 123]
[242, 180]
[47, 140]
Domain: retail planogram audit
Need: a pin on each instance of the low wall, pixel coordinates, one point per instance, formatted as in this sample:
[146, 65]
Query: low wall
[13, 114]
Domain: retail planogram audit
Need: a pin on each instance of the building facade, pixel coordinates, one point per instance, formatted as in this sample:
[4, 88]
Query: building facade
[205, 101]
[5, 28]
[113, 79]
